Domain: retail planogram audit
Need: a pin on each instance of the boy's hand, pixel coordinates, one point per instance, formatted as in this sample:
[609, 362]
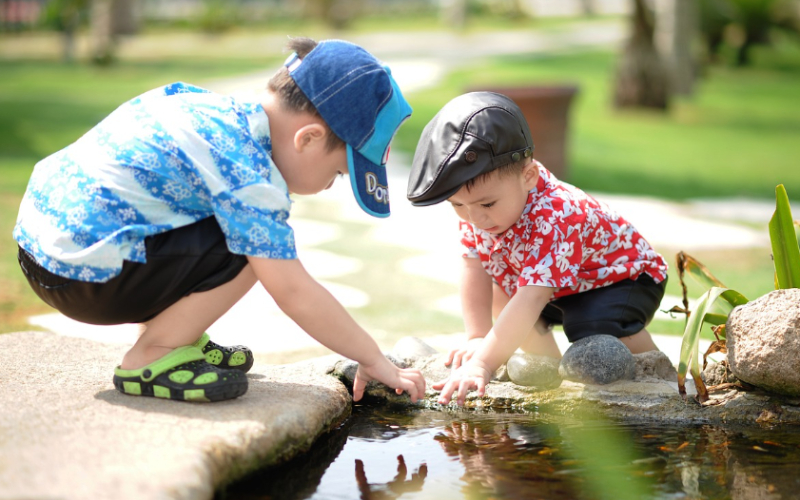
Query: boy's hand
[461, 355]
[470, 376]
[409, 380]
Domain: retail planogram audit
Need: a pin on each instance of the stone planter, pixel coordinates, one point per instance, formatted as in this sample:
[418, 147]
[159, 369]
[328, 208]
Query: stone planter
[546, 108]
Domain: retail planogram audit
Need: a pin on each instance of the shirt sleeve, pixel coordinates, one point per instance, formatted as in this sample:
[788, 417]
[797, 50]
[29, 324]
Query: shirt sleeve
[468, 240]
[252, 225]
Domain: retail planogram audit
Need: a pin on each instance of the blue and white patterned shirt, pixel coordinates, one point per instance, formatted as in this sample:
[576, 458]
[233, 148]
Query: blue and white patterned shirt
[166, 159]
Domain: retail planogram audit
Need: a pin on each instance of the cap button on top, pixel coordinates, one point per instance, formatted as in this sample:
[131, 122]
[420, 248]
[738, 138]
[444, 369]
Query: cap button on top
[471, 156]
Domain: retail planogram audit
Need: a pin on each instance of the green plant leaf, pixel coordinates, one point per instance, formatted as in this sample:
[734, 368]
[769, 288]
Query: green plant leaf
[715, 319]
[690, 347]
[785, 249]
[698, 271]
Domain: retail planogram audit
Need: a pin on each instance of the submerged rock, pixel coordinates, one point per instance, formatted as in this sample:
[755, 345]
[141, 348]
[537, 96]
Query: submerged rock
[599, 359]
[531, 370]
[763, 341]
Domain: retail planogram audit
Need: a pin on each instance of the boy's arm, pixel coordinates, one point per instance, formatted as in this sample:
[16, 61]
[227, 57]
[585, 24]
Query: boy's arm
[511, 328]
[317, 312]
[476, 307]
[476, 298]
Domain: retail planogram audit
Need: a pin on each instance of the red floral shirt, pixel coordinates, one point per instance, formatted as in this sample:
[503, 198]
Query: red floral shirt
[564, 239]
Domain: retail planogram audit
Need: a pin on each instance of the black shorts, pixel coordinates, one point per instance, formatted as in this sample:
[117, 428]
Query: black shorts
[622, 309]
[189, 259]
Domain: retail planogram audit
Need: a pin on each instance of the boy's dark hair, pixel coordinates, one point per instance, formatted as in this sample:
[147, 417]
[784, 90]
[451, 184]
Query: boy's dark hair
[504, 170]
[290, 95]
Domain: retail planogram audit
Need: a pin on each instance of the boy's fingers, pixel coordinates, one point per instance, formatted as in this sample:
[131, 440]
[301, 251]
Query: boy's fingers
[437, 386]
[410, 388]
[358, 388]
[447, 392]
[463, 388]
[450, 357]
[481, 387]
[458, 359]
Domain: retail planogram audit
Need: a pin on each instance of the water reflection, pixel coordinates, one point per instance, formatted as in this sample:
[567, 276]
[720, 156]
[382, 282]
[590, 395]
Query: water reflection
[421, 454]
[499, 464]
[395, 487]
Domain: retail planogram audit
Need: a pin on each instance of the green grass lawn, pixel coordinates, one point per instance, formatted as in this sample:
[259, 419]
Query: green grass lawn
[736, 137]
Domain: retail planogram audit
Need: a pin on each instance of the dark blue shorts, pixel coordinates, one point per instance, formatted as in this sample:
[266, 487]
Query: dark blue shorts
[189, 259]
[622, 309]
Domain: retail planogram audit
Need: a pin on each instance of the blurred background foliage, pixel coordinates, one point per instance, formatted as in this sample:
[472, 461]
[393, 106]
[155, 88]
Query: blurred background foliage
[701, 100]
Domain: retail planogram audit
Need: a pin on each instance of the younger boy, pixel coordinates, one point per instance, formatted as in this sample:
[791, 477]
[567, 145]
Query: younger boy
[538, 250]
[169, 211]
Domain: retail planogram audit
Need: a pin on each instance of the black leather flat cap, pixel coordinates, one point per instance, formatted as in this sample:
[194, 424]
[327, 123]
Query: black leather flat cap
[471, 135]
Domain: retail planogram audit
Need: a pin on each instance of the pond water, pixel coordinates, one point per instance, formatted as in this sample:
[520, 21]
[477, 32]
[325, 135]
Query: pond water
[384, 453]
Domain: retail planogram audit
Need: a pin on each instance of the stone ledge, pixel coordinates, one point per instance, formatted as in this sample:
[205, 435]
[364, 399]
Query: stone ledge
[648, 397]
[68, 434]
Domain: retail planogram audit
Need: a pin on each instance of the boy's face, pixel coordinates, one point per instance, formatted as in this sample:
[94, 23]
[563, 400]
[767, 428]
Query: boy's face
[308, 166]
[319, 172]
[496, 203]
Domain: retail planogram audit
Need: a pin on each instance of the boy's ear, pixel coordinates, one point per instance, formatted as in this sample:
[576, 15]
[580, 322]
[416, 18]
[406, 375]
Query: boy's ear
[309, 135]
[530, 175]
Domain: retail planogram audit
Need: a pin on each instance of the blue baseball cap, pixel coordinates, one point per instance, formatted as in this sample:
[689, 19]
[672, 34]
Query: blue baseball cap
[360, 101]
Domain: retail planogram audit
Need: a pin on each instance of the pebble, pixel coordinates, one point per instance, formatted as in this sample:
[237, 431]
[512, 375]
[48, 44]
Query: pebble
[533, 371]
[598, 359]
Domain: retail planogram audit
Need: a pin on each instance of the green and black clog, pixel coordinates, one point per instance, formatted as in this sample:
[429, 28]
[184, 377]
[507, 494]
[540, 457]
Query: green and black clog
[183, 375]
[237, 357]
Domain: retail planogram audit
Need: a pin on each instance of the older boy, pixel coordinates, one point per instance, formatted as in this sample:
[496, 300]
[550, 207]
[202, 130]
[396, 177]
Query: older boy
[169, 211]
[538, 250]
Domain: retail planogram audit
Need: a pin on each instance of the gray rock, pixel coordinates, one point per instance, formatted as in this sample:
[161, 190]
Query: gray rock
[718, 373]
[531, 370]
[409, 348]
[345, 370]
[654, 365]
[599, 359]
[501, 374]
[763, 341]
[73, 436]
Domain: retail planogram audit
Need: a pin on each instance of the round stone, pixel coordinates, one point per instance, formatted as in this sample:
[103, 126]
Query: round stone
[598, 359]
[533, 371]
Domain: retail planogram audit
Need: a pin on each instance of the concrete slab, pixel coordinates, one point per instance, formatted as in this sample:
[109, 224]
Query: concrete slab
[71, 435]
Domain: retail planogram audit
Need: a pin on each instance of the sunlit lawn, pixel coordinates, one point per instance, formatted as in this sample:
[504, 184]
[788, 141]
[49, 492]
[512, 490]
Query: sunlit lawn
[736, 137]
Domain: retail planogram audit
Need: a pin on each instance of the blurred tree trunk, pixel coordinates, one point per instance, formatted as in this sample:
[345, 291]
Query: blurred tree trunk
[70, 20]
[336, 13]
[454, 12]
[588, 7]
[102, 39]
[108, 19]
[126, 16]
[677, 31]
[641, 79]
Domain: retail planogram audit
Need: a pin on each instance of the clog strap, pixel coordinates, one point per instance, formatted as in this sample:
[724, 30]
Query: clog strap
[177, 357]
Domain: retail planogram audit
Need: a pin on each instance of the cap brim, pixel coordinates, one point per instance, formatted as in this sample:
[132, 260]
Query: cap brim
[425, 201]
[370, 184]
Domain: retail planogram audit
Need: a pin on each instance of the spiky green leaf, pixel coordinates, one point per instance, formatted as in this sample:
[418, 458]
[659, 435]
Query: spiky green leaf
[690, 347]
[785, 248]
